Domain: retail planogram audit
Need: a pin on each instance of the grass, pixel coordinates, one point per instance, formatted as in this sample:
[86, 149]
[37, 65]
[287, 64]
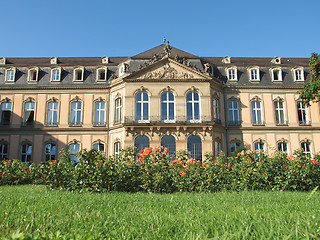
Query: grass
[38, 212]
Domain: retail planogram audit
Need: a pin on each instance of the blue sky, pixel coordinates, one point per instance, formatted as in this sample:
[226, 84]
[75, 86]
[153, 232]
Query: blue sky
[40, 28]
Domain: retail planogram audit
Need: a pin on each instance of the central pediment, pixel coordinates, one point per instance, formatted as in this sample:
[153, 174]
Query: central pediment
[168, 69]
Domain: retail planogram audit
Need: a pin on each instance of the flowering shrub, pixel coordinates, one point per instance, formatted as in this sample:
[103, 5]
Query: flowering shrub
[152, 170]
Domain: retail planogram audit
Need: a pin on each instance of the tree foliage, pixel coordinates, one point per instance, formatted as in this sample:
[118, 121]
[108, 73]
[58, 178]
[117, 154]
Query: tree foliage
[311, 90]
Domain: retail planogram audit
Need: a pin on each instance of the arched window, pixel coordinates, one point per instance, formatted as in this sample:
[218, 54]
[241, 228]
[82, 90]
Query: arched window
[217, 146]
[116, 149]
[195, 147]
[52, 113]
[142, 107]
[99, 146]
[50, 151]
[170, 143]
[26, 152]
[306, 147]
[283, 146]
[141, 142]
[117, 111]
[259, 146]
[234, 145]
[74, 148]
[3, 150]
[99, 113]
[167, 107]
[193, 107]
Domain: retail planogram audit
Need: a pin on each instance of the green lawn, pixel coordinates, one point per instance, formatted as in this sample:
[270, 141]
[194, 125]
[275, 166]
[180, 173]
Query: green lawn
[225, 215]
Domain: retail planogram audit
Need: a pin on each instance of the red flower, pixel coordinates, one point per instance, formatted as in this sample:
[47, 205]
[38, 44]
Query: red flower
[163, 155]
[314, 161]
[289, 156]
[238, 154]
[2, 174]
[26, 169]
[143, 155]
[141, 151]
[182, 174]
[166, 150]
[156, 149]
[0, 178]
[229, 165]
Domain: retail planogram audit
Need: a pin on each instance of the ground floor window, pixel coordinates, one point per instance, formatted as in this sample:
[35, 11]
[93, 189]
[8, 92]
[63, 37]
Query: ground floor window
[3, 151]
[50, 151]
[74, 149]
[195, 147]
[170, 143]
[26, 152]
[141, 142]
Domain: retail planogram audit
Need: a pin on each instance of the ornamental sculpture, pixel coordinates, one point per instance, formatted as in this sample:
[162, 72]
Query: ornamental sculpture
[167, 72]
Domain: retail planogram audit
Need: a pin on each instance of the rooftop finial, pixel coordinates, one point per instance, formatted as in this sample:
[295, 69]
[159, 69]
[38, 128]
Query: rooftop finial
[164, 40]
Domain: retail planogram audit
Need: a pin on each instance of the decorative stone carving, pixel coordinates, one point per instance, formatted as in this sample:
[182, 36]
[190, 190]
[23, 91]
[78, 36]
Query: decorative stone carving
[76, 99]
[256, 98]
[126, 68]
[207, 68]
[166, 50]
[167, 72]
[30, 99]
[113, 76]
[99, 99]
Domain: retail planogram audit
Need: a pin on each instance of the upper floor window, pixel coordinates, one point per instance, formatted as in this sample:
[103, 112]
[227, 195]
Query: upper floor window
[5, 113]
[117, 112]
[78, 74]
[26, 152]
[142, 107]
[303, 114]
[193, 107]
[276, 74]
[232, 74]
[99, 113]
[254, 74]
[283, 147]
[10, 74]
[3, 150]
[52, 113]
[29, 108]
[298, 74]
[233, 113]
[256, 113]
[74, 149]
[76, 113]
[50, 151]
[167, 107]
[102, 74]
[306, 147]
[55, 74]
[33, 74]
[216, 104]
[279, 112]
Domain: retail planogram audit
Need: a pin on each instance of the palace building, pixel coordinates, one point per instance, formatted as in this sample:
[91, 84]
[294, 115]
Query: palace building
[161, 97]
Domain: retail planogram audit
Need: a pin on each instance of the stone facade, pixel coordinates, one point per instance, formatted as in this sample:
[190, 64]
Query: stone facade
[163, 96]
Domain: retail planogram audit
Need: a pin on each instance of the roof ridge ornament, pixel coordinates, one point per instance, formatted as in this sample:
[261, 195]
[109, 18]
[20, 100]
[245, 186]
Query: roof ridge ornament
[166, 50]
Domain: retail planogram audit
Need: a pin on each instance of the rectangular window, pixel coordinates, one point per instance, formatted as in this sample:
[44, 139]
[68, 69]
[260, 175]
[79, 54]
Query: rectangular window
[216, 110]
[10, 75]
[5, 113]
[55, 75]
[76, 109]
[298, 75]
[232, 74]
[52, 114]
[116, 149]
[74, 150]
[33, 75]
[254, 74]
[279, 111]
[3, 151]
[233, 113]
[78, 74]
[303, 114]
[99, 147]
[50, 152]
[29, 113]
[99, 114]
[234, 146]
[306, 146]
[26, 153]
[276, 75]
[283, 147]
[117, 116]
[256, 113]
[259, 146]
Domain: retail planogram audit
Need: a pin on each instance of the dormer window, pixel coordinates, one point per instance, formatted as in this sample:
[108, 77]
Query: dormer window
[121, 70]
[254, 74]
[105, 60]
[102, 74]
[53, 60]
[2, 61]
[10, 74]
[232, 74]
[298, 74]
[226, 60]
[33, 74]
[276, 74]
[78, 74]
[56, 74]
[276, 60]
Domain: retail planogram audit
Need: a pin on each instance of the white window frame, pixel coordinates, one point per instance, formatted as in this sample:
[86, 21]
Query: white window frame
[278, 109]
[216, 102]
[52, 111]
[255, 113]
[30, 74]
[259, 146]
[105, 69]
[72, 149]
[304, 145]
[234, 74]
[25, 110]
[50, 154]
[55, 77]
[101, 113]
[193, 102]
[2, 104]
[298, 74]
[12, 76]
[99, 144]
[140, 119]
[24, 156]
[117, 110]
[304, 113]
[234, 144]
[256, 74]
[75, 74]
[78, 122]
[3, 155]
[116, 149]
[234, 110]
[282, 143]
[167, 108]
[279, 70]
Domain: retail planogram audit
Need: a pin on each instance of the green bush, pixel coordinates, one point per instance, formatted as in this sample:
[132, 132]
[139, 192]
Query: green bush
[152, 170]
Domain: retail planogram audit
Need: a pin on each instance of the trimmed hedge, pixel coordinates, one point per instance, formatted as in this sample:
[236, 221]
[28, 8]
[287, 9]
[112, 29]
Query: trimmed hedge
[153, 171]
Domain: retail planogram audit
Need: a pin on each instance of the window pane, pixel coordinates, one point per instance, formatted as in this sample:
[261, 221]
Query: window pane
[170, 143]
